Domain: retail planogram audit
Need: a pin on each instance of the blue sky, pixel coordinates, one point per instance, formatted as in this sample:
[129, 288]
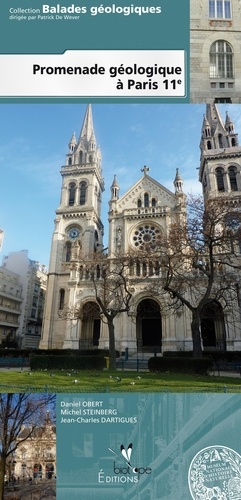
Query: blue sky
[34, 140]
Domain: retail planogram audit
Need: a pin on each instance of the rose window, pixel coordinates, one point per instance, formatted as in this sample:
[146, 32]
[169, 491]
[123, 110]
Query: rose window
[146, 236]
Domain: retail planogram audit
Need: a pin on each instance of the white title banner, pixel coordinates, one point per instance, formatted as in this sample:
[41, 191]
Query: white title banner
[92, 73]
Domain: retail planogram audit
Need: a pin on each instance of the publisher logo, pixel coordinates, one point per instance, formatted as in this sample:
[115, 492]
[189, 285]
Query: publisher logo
[124, 472]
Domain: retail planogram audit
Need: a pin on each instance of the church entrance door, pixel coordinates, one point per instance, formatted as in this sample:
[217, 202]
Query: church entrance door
[213, 327]
[149, 325]
[90, 333]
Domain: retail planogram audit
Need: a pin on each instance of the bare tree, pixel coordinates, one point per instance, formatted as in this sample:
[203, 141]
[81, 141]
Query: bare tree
[199, 260]
[17, 410]
[109, 278]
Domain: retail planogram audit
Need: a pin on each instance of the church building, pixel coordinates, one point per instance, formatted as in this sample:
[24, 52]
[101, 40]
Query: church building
[142, 214]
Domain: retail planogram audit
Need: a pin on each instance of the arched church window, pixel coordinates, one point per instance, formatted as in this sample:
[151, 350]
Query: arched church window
[72, 190]
[232, 178]
[70, 161]
[144, 268]
[96, 240]
[220, 141]
[221, 60]
[233, 142]
[68, 252]
[219, 177]
[209, 145]
[80, 156]
[139, 203]
[61, 298]
[153, 202]
[83, 193]
[146, 200]
[157, 268]
[151, 269]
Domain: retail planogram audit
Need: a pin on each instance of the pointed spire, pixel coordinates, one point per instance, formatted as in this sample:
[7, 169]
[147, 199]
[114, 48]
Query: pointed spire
[214, 117]
[87, 131]
[178, 182]
[229, 126]
[72, 143]
[115, 183]
[206, 128]
[115, 189]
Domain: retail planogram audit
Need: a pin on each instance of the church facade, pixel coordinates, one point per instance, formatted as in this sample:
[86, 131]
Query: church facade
[143, 214]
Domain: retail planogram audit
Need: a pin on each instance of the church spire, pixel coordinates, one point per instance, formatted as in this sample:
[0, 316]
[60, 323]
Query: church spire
[85, 150]
[220, 153]
[87, 132]
[214, 118]
[178, 182]
[72, 143]
[216, 135]
[229, 126]
[115, 189]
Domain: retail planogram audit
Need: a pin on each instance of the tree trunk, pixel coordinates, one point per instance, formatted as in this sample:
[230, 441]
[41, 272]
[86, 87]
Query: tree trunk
[196, 334]
[112, 353]
[2, 474]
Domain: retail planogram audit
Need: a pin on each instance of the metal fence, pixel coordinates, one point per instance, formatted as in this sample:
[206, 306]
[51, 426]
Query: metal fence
[210, 388]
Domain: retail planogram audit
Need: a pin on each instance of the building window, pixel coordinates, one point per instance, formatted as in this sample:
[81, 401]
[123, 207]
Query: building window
[139, 203]
[220, 181]
[232, 179]
[72, 189]
[83, 191]
[220, 9]
[146, 200]
[68, 251]
[220, 141]
[61, 298]
[146, 237]
[221, 60]
[153, 202]
[35, 301]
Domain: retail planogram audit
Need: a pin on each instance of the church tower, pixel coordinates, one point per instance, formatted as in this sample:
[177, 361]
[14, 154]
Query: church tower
[220, 162]
[78, 230]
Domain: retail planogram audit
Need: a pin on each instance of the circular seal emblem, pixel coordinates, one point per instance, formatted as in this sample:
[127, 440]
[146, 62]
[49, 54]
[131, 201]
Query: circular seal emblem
[215, 474]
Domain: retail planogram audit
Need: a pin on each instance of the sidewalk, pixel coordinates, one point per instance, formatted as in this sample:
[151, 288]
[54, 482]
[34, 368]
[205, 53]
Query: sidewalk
[225, 374]
[43, 489]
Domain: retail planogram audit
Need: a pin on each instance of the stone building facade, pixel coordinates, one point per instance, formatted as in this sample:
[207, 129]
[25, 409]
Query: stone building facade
[35, 457]
[33, 280]
[11, 298]
[215, 47]
[143, 214]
